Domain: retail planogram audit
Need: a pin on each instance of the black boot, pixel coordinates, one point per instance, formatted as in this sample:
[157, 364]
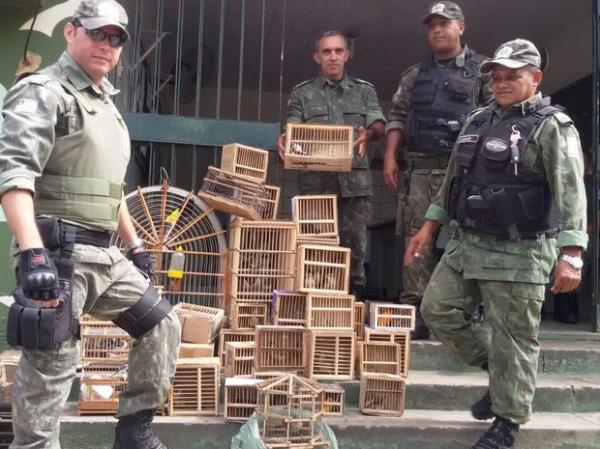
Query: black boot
[135, 432]
[501, 435]
[421, 331]
[482, 409]
[565, 308]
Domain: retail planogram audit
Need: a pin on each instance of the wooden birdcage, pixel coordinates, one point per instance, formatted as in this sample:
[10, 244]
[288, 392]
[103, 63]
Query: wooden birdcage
[316, 215]
[261, 259]
[288, 308]
[318, 147]
[401, 338]
[272, 203]
[233, 194]
[228, 335]
[331, 355]
[289, 411]
[281, 348]
[333, 399]
[239, 358]
[247, 315]
[327, 311]
[9, 360]
[382, 394]
[200, 324]
[323, 269]
[195, 388]
[322, 241]
[248, 162]
[103, 341]
[391, 316]
[195, 350]
[100, 386]
[382, 358]
[267, 375]
[241, 398]
[359, 320]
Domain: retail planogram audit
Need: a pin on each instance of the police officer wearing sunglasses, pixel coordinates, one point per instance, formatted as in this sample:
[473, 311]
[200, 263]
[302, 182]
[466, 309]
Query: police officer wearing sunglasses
[64, 151]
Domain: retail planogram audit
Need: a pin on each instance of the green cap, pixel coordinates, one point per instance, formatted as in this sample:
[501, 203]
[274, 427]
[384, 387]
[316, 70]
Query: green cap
[93, 14]
[514, 55]
[449, 10]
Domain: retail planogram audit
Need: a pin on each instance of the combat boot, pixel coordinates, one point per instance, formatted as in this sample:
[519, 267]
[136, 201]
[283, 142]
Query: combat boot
[482, 409]
[501, 435]
[421, 331]
[135, 432]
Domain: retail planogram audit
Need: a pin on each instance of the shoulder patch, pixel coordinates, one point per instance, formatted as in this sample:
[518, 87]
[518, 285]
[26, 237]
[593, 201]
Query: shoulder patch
[361, 81]
[303, 83]
[563, 118]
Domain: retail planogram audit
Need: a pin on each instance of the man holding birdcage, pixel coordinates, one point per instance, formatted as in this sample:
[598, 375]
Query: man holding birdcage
[335, 98]
[64, 150]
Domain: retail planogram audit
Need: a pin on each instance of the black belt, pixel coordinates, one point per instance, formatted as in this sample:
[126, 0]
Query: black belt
[432, 163]
[88, 237]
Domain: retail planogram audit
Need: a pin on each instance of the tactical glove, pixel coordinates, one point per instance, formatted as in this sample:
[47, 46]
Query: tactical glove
[37, 275]
[141, 259]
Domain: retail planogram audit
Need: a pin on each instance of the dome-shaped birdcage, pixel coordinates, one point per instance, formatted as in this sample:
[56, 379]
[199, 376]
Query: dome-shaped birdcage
[185, 240]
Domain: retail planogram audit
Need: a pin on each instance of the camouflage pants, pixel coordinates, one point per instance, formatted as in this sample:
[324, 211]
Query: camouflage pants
[513, 311]
[423, 185]
[105, 284]
[354, 214]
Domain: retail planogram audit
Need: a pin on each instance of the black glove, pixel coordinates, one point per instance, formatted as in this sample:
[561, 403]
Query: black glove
[141, 259]
[37, 275]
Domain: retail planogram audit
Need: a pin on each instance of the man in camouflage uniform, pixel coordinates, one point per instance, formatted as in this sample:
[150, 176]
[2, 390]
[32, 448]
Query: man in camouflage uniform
[335, 98]
[515, 196]
[428, 110]
[64, 150]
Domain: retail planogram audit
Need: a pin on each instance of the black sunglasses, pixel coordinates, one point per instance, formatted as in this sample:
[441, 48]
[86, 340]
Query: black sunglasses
[98, 35]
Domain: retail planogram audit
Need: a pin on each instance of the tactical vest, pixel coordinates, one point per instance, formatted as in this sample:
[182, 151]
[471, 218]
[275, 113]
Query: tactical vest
[82, 180]
[441, 99]
[486, 195]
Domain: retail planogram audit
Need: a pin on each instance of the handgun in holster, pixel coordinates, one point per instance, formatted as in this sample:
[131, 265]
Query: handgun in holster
[41, 329]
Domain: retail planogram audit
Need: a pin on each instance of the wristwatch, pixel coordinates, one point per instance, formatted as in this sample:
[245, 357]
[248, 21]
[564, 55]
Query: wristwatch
[135, 243]
[574, 261]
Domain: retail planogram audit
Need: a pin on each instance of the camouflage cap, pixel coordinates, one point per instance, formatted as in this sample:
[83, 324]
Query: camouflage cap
[514, 55]
[449, 10]
[94, 14]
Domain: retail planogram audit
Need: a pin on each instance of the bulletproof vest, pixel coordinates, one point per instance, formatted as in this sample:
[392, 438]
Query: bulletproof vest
[441, 99]
[493, 191]
[83, 178]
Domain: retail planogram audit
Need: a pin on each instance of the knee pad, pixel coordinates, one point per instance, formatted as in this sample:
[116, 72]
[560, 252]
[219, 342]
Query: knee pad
[144, 314]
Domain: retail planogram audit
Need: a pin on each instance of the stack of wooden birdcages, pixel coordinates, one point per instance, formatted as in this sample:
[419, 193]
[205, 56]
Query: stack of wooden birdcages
[238, 187]
[104, 353]
[383, 359]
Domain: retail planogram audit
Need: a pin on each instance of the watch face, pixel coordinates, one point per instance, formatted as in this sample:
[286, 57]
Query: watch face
[575, 262]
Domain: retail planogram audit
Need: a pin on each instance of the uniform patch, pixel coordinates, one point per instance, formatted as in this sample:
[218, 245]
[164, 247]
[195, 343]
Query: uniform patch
[495, 145]
[573, 147]
[504, 52]
[438, 8]
[26, 106]
[467, 138]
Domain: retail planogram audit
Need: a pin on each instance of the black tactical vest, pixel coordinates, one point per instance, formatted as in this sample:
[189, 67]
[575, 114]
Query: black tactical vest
[441, 99]
[486, 195]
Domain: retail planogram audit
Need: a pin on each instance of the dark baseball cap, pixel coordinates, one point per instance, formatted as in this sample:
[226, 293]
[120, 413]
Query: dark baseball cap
[93, 14]
[449, 10]
[514, 55]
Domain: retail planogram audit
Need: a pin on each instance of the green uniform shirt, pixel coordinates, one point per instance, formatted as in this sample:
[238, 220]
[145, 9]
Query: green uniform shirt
[401, 99]
[351, 101]
[553, 151]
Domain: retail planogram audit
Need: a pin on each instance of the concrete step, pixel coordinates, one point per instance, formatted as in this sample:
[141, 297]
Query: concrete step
[556, 357]
[417, 429]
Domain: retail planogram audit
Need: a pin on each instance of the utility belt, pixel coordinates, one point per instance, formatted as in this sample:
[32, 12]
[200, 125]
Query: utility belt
[420, 161]
[57, 230]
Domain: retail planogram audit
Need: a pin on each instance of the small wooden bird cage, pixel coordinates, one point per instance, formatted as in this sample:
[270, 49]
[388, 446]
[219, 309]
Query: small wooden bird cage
[288, 308]
[280, 348]
[382, 357]
[325, 241]
[323, 269]
[241, 398]
[195, 350]
[318, 147]
[272, 203]
[316, 215]
[333, 399]
[247, 315]
[327, 311]
[195, 388]
[359, 320]
[382, 394]
[401, 338]
[331, 355]
[392, 316]
[103, 341]
[233, 194]
[228, 335]
[100, 386]
[248, 162]
[239, 358]
[289, 411]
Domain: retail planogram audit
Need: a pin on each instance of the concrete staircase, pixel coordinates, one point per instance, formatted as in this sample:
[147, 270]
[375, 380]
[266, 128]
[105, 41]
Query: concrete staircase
[440, 391]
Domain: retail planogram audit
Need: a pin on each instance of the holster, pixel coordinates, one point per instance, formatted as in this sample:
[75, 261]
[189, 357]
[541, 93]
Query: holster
[42, 329]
